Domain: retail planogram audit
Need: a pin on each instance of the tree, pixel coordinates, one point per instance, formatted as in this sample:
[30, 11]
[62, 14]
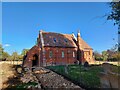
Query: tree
[115, 15]
[105, 55]
[115, 12]
[5, 56]
[97, 55]
[24, 52]
[15, 56]
[1, 51]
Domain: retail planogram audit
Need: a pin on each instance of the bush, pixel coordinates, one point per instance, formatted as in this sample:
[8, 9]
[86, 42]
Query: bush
[112, 59]
[99, 58]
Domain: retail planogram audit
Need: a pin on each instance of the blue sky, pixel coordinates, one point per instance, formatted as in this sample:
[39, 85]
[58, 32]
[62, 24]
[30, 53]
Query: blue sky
[21, 23]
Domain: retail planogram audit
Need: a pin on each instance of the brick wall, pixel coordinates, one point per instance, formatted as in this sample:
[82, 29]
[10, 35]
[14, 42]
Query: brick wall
[88, 56]
[57, 55]
[28, 61]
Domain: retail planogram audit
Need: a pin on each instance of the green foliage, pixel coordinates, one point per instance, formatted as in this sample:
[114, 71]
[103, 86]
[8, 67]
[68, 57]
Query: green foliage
[115, 12]
[25, 85]
[105, 55]
[115, 15]
[1, 48]
[24, 51]
[108, 55]
[5, 56]
[98, 56]
[1, 51]
[14, 56]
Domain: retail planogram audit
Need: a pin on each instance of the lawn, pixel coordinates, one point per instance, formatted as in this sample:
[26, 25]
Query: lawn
[86, 78]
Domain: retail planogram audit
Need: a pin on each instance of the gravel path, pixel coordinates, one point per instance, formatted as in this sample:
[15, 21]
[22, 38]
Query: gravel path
[53, 80]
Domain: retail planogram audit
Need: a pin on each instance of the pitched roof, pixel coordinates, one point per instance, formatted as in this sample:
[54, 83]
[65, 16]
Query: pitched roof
[84, 45]
[57, 39]
[62, 40]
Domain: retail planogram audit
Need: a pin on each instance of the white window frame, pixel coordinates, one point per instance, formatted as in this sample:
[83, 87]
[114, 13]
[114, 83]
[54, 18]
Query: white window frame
[73, 54]
[50, 54]
[63, 54]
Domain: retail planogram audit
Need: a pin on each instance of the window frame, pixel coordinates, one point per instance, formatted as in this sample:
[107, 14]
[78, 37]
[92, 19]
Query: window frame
[50, 54]
[73, 54]
[63, 54]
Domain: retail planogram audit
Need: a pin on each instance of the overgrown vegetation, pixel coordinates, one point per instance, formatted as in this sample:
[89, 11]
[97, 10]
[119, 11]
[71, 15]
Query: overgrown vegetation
[25, 85]
[14, 56]
[108, 55]
[87, 78]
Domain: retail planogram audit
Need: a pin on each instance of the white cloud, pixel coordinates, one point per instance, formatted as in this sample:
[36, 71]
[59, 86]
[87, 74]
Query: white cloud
[6, 45]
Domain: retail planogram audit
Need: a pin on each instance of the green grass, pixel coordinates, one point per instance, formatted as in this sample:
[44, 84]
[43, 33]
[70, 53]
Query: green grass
[24, 85]
[87, 78]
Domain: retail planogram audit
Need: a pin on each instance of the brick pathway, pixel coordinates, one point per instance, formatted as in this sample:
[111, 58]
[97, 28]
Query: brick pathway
[53, 80]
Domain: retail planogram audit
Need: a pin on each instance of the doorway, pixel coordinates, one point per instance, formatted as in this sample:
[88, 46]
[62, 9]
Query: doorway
[35, 60]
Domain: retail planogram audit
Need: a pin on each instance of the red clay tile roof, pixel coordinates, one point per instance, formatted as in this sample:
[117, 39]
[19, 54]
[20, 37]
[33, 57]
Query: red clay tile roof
[62, 40]
[84, 45]
[57, 39]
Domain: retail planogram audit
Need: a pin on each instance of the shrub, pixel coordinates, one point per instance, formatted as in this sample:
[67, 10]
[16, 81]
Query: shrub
[99, 58]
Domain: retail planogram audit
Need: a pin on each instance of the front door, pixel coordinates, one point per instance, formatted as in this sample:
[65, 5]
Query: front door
[35, 60]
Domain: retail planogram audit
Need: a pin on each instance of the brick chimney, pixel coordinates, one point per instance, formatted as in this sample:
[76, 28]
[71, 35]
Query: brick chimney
[78, 40]
[38, 39]
[80, 50]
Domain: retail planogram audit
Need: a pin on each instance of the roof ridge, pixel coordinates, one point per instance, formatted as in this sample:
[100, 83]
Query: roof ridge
[56, 33]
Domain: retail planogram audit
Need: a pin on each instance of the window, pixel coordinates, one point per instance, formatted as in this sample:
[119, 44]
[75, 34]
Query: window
[50, 54]
[54, 40]
[89, 52]
[65, 40]
[62, 54]
[73, 54]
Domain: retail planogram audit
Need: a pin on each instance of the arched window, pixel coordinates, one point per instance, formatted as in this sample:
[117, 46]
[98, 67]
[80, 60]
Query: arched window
[50, 54]
[54, 39]
[73, 54]
[62, 54]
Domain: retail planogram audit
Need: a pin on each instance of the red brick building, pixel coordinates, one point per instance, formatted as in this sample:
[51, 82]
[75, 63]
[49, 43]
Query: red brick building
[58, 49]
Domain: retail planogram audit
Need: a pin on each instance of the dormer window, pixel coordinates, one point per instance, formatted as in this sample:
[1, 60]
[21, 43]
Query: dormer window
[65, 40]
[54, 39]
